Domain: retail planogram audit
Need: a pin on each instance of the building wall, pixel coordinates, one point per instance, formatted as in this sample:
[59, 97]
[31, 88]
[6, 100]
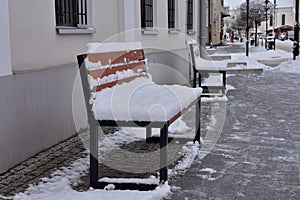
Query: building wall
[35, 43]
[216, 21]
[5, 60]
[36, 113]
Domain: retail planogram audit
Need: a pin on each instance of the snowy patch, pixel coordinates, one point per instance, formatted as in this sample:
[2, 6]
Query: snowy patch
[291, 66]
[59, 185]
[207, 174]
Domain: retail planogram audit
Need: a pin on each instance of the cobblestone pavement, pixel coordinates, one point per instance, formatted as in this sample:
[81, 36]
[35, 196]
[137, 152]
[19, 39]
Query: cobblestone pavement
[257, 155]
[30, 171]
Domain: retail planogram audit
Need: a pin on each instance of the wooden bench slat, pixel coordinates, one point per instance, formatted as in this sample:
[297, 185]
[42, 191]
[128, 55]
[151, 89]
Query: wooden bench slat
[100, 73]
[112, 58]
[98, 88]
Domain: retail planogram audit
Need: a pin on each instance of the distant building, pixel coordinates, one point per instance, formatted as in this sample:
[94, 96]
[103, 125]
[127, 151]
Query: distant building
[215, 14]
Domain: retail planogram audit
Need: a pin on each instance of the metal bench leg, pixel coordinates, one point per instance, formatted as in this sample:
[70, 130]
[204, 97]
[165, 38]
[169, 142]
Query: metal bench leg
[163, 153]
[148, 133]
[195, 79]
[197, 123]
[200, 79]
[94, 154]
[224, 83]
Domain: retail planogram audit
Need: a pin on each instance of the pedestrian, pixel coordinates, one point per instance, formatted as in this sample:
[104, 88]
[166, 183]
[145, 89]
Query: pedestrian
[231, 37]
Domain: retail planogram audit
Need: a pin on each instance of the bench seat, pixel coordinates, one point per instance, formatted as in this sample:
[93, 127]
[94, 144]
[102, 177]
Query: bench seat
[143, 100]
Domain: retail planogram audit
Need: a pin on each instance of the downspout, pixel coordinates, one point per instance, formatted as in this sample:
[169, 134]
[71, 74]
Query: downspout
[202, 28]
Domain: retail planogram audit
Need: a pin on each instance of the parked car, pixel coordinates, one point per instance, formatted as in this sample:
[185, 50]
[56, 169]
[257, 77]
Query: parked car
[290, 35]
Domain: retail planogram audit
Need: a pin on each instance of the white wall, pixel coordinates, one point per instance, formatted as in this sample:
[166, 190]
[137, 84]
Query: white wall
[36, 113]
[5, 60]
[35, 43]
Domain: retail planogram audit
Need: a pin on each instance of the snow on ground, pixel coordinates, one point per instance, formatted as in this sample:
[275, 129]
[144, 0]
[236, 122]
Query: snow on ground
[283, 54]
[59, 184]
[292, 66]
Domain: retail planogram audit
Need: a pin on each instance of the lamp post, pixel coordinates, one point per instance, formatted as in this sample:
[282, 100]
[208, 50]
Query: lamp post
[266, 10]
[296, 32]
[274, 24]
[247, 30]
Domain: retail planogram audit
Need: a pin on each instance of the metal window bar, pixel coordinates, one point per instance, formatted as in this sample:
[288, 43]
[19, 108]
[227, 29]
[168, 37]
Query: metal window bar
[71, 12]
[171, 13]
[146, 13]
[190, 14]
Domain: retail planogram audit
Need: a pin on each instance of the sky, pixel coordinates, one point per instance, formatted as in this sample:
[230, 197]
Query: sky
[236, 3]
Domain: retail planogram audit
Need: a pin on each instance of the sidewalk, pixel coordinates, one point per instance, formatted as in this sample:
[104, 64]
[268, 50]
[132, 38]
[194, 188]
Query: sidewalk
[257, 155]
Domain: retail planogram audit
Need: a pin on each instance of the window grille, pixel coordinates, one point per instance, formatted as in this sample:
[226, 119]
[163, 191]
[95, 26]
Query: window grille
[190, 14]
[271, 20]
[71, 12]
[171, 13]
[283, 19]
[146, 13]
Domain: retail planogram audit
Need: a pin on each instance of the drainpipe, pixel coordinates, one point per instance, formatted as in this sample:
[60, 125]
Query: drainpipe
[296, 32]
[202, 28]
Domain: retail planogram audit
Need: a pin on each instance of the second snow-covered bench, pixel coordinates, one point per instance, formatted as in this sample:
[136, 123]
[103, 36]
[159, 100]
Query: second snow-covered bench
[119, 92]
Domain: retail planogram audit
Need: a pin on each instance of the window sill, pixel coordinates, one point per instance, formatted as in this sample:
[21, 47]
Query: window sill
[174, 31]
[150, 31]
[74, 30]
[191, 32]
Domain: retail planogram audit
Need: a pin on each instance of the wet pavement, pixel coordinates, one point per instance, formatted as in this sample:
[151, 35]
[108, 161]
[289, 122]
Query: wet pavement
[257, 155]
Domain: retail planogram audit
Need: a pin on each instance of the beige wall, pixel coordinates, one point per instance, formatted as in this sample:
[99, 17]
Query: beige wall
[35, 43]
[5, 60]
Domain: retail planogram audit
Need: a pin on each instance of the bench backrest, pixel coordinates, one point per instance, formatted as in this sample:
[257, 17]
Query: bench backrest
[109, 64]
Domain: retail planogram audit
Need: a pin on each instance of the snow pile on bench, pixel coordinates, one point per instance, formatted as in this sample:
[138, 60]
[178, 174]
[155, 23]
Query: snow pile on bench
[138, 100]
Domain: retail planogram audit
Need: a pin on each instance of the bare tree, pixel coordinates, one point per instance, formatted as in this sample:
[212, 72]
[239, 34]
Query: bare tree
[257, 12]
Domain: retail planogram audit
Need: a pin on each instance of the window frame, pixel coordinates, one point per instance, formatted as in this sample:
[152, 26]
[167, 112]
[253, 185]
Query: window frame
[145, 14]
[283, 19]
[173, 16]
[271, 22]
[190, 20]
[79, 19]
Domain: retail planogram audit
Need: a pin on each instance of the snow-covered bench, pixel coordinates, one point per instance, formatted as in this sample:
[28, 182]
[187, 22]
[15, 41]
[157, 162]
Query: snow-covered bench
[119, 92]
[204, 68]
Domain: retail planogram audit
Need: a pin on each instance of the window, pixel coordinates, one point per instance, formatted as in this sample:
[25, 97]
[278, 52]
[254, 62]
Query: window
[271, 20]
[190, 15]
[283, 19]
[71, 12]
[74, 17]
[146, 13]
[171, 14]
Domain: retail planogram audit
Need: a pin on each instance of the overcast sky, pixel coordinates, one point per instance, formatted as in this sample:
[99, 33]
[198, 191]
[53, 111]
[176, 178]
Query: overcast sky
[236, 3]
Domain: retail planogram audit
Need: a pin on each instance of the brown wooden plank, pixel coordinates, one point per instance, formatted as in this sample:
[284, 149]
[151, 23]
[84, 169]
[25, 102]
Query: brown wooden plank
[98, 88]
[111, 58]
[100, 73]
